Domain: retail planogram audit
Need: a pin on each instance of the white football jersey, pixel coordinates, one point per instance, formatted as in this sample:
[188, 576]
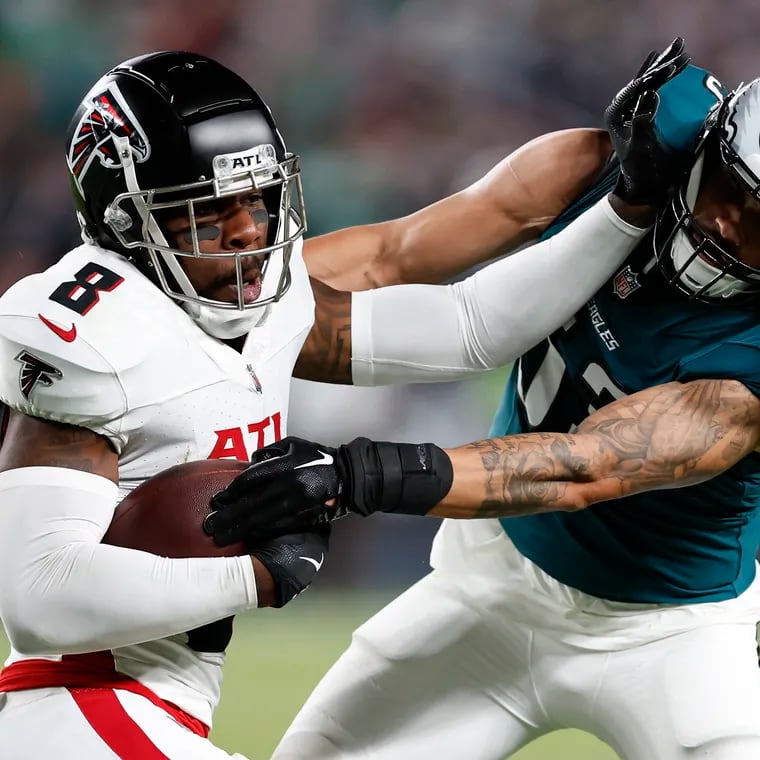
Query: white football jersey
[92, 342]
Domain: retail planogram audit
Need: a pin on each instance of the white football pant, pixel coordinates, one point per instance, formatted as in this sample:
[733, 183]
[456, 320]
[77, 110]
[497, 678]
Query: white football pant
[488, 652]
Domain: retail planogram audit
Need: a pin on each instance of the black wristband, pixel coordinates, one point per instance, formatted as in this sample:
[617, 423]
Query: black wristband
[405, 478]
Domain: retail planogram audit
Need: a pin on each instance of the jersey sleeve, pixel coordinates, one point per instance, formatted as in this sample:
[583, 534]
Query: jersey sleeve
[731, 360]
[434, 333]
[45, 376]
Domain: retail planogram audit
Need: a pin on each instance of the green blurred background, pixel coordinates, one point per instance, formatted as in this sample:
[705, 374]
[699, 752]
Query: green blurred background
[392, 104]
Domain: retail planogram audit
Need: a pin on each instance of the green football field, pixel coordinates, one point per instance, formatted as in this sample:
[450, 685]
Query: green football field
[277, 656]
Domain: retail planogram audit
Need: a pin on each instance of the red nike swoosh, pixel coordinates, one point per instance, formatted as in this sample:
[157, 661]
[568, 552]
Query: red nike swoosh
[68, 335]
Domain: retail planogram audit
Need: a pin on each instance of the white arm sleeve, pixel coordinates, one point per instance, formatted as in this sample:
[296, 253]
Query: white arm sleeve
[63, 592]
[429, 333]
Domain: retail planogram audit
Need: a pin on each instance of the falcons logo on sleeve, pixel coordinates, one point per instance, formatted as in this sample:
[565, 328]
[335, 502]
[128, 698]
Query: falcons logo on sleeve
[35, 372]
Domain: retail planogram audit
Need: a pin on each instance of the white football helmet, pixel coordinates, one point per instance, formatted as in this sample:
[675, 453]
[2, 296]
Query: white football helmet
[692, 259]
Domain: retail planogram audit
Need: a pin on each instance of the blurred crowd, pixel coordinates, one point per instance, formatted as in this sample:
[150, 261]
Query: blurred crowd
[391, 104]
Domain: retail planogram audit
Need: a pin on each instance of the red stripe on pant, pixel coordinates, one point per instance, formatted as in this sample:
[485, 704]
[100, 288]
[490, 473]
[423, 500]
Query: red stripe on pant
[104, 712]
[93, 671]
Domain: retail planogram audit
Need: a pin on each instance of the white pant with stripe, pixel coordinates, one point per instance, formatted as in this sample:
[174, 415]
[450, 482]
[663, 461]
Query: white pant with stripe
[488, 652]
[95, 724]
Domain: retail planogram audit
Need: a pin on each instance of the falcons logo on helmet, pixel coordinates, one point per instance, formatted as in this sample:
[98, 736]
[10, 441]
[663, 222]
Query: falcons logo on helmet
[34, 371]
[107, 115]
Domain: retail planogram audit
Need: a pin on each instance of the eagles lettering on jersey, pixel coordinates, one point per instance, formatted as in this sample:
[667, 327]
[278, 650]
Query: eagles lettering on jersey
[693, 544]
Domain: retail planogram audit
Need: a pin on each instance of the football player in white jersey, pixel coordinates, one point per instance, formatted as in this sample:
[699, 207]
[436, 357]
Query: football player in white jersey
[115, 367]
[170, 335]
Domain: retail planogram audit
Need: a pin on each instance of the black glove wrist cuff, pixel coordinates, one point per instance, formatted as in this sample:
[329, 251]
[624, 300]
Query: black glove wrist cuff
[404, 478]
[634, 197]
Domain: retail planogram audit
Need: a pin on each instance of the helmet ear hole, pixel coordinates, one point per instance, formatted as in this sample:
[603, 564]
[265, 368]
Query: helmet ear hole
[117, 219]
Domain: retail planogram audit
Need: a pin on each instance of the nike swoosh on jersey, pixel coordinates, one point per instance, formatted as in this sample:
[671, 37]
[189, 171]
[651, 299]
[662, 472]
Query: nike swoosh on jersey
[68, 335]
[324, 459]
[314, 562]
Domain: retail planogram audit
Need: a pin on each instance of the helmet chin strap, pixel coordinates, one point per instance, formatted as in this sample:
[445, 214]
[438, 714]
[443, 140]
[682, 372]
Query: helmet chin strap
[700, 276]
[226, 324]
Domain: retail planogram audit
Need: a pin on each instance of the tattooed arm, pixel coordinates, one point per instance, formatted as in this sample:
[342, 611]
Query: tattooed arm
[423, 333]
[33, 442]
[326, 354]
[509, 206]
[669, 436]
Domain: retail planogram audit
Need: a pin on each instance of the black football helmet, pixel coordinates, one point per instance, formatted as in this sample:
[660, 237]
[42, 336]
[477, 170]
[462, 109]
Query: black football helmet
[691, 259]
[163, 132]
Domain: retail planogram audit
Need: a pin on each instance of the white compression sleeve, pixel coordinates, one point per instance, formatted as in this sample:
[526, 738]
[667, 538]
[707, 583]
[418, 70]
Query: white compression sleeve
[429, 333]
[63, 592]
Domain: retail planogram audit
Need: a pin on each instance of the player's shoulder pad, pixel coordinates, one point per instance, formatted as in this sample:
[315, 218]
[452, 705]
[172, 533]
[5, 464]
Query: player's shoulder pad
[69, 333]
[685, 102]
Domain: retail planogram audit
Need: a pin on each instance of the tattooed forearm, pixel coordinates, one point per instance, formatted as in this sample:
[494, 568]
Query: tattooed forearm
[326, 354]
[670, 436]
[529, 473]
[31, 442]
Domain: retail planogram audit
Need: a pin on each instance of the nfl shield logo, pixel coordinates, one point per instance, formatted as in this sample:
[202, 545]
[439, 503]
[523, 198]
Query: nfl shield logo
[625, 282]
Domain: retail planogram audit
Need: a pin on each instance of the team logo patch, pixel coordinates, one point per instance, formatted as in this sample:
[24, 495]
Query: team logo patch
[108, 115]
[35, 372]
[625, 282]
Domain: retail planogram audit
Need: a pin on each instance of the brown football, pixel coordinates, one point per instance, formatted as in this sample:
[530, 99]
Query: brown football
[164, 515]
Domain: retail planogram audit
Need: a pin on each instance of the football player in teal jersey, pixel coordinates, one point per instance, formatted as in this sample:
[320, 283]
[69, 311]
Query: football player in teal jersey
[610, 584]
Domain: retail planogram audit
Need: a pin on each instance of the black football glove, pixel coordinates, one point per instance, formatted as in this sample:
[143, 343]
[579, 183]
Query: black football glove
[287, 486]
[293, 560]
[649, 170]
[283, 491]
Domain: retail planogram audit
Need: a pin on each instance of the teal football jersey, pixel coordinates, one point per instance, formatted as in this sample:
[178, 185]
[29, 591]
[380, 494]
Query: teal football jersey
[692, 544]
